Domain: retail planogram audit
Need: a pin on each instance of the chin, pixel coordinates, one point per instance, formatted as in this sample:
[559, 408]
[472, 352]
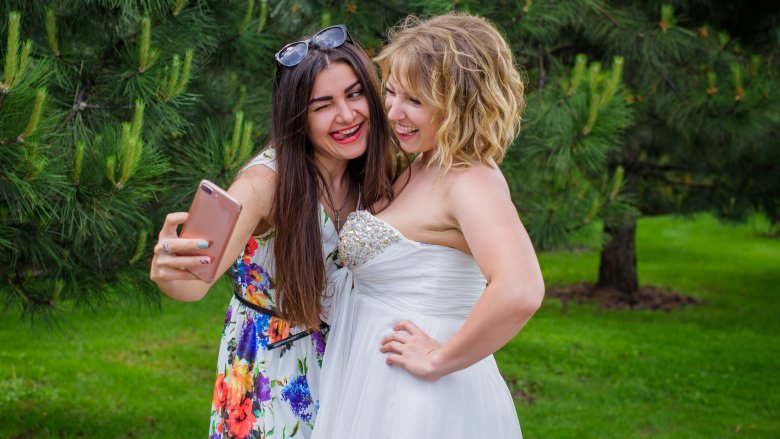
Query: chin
[414, 149]
[351, 152]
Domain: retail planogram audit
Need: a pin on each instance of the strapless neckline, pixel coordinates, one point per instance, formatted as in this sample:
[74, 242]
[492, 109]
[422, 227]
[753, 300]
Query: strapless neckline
[403, 237]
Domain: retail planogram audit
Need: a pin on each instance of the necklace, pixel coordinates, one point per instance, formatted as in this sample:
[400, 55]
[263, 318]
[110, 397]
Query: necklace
[337, 212]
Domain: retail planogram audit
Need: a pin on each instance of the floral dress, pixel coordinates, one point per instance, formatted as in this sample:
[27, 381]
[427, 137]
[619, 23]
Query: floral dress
[267, 386]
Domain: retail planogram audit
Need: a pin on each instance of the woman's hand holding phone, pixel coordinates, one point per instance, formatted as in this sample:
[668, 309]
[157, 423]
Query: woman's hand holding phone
[213, 234]
[167, 263]
[205, 233]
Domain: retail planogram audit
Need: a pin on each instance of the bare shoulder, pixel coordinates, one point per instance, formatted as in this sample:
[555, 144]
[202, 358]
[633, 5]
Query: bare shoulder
[476, 180]
[258, 175]
[255, 187]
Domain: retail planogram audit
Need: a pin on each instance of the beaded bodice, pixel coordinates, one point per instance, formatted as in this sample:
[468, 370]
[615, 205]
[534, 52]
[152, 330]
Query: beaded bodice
[404, 274]
[363, 237]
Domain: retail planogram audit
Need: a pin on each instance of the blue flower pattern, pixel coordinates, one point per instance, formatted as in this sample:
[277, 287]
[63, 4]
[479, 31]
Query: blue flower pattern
[297, 394]
[247, 346]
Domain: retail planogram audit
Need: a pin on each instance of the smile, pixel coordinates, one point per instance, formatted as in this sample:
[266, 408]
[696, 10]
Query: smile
[404, 131]
[348, 135]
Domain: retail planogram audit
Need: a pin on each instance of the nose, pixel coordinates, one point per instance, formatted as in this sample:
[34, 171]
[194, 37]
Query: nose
[345, 112]
[394, 110]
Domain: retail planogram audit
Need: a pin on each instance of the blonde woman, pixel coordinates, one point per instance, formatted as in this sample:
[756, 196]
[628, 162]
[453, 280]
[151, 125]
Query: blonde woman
[410, 350]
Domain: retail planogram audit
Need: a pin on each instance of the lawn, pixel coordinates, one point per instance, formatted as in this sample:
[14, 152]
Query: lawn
[709, 371]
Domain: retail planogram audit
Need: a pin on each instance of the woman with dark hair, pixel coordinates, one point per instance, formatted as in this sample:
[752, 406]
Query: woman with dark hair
[330, 153]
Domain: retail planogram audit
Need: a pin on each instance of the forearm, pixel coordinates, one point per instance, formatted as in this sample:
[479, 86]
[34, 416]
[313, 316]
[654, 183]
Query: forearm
[184, 290]
[497, 317]
[170, 269]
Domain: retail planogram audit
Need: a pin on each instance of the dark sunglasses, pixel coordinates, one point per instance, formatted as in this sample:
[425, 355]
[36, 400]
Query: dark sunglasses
[329, 38]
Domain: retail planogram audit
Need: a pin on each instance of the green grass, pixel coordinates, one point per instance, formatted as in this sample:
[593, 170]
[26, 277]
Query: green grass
[142, 374]
[709, 371]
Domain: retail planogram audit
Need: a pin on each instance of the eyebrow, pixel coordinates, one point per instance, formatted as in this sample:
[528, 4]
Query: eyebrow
[328, 98]
[394, 88]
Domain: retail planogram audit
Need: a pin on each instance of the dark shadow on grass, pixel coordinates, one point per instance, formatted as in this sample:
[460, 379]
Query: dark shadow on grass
[648, 297]
[523, 391]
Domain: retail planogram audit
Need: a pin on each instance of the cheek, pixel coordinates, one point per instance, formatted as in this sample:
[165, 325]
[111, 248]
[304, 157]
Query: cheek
[314, 126]
[363, 108]
[435, 126]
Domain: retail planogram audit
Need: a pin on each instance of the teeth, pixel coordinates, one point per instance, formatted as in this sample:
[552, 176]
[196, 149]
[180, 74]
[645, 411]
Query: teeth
[349, 131]
[405, 130]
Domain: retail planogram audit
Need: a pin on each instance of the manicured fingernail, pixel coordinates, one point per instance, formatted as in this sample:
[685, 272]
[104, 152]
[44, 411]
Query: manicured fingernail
[203, 244]
[205, 261]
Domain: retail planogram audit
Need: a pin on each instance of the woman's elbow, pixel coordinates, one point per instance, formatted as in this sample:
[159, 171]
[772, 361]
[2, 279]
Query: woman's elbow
[529, 300]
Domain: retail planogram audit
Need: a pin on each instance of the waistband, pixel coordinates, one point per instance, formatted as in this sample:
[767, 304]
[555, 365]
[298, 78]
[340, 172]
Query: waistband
[271, 313]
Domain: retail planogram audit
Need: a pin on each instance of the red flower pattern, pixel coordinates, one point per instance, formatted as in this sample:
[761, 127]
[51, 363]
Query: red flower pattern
[241, 419]
[278, 329]
[251, 247]
[220, 393]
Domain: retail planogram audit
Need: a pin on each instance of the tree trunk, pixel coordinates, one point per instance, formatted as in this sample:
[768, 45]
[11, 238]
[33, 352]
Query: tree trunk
[618, 259]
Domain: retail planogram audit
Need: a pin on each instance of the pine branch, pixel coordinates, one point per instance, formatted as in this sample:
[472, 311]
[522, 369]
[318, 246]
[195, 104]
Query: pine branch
[685, 184]
[601, 10]
[78, 99]
[542, 75]
[638, 165]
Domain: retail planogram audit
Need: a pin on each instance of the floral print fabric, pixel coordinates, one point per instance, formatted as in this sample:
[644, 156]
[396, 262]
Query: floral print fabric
[261, 393]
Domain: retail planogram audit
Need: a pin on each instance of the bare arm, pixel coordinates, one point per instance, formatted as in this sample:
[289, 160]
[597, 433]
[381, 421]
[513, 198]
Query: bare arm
[480, 204]
[255, 190]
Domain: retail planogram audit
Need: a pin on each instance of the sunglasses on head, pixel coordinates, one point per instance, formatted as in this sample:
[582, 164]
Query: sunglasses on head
[329, 38]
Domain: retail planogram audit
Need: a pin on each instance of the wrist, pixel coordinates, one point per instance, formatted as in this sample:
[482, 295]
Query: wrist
[438, 362]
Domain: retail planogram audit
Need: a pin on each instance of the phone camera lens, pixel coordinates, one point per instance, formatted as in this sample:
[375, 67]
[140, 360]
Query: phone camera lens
[206, 189]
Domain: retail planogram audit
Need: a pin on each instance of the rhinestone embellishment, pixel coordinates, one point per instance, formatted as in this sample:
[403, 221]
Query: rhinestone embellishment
[363, 237]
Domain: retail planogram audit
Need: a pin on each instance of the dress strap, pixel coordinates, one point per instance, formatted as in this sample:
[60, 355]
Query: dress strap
[258, 308]
[266, 157]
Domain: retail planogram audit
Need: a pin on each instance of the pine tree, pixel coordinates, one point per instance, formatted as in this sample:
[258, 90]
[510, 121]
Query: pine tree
[639, 108]
[111, 111]
[696, 110]
[84, 117]
[700, 102]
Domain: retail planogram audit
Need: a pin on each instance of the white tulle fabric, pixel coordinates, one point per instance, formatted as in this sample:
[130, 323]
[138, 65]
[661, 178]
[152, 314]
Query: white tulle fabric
[434, 286]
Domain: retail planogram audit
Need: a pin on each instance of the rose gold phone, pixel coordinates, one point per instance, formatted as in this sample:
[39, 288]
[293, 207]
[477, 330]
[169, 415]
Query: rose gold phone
[213, 216]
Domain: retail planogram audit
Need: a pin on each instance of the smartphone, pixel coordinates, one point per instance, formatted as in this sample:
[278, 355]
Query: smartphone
[212, 217]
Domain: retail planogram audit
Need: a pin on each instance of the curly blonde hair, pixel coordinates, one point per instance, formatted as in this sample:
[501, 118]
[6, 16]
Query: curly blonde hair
[459, 65]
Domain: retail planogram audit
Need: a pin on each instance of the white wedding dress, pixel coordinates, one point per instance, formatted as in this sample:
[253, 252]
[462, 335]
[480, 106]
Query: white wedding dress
[435, 287]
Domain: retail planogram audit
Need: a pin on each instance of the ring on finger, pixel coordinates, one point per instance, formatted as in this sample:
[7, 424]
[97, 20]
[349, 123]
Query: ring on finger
[165, 247]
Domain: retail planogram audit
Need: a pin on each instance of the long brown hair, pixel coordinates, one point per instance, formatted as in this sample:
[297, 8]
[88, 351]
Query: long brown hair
[300, 266]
